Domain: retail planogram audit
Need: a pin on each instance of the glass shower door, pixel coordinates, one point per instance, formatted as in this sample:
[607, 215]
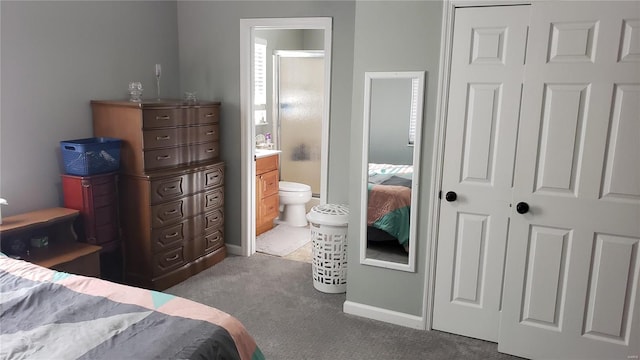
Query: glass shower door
[300, 90]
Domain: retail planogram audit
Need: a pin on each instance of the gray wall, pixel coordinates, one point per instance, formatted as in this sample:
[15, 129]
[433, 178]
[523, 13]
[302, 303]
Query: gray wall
[209, 43]
[407, 39]
[55, 58]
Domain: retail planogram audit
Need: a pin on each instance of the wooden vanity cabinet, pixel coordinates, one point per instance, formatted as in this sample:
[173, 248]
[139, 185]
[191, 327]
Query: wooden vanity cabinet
[267, 197]
[171, 187]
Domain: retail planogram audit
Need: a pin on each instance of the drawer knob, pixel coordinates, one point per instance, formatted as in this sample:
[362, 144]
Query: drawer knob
[210, 132]
[209, 115]
[162, 157]
[211, 150]
[165, 137]
[163, 117]
[169, 212]
[169, 236]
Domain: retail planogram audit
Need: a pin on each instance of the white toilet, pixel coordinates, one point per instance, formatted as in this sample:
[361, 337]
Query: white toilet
[293, 197]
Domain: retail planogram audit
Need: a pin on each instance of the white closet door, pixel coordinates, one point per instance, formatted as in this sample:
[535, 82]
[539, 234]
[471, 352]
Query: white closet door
[571, 284]
[482, 123]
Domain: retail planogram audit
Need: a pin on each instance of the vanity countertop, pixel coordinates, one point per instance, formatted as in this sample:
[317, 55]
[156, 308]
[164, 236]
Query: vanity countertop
[260, 153]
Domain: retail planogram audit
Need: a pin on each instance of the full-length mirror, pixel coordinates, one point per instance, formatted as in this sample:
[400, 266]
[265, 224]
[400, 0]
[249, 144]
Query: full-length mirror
[391, 149]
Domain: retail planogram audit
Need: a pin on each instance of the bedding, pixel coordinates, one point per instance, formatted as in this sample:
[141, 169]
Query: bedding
[54, 315]
[389, 203]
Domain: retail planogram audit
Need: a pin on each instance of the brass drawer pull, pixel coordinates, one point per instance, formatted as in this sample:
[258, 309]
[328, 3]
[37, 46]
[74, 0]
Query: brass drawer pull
[165, 137]
[174, 257]
[163, 157]
[163, 117]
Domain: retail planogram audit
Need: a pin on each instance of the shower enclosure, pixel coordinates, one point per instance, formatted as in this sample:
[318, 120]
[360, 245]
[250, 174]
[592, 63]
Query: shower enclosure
[298, 95]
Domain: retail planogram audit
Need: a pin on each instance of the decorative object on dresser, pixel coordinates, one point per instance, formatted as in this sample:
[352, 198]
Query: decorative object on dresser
[46, 238]
[266, 192]
[171, 187]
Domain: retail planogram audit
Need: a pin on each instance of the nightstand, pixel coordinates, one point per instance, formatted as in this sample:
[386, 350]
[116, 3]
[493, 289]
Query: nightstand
[63, 252]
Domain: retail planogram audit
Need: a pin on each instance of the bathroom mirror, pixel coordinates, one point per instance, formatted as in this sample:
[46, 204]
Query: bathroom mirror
[393, 103]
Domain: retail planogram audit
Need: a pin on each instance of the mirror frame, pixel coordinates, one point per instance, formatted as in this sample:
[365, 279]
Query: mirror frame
[368, 79]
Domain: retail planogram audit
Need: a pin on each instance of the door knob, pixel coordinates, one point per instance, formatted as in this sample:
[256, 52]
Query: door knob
[522, 207]
[451, 196]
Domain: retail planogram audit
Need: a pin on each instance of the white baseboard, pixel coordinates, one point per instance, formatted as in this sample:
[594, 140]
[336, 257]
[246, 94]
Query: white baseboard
[380, 314]
[234, 250]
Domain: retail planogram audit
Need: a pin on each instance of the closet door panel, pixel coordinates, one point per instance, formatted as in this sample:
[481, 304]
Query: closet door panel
[482, 122]
[577, 168]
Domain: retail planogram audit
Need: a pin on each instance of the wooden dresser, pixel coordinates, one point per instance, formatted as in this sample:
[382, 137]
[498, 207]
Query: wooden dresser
[171, 187]
[267, 197]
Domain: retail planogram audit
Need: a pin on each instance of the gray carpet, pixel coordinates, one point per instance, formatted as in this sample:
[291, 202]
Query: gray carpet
[275, 300]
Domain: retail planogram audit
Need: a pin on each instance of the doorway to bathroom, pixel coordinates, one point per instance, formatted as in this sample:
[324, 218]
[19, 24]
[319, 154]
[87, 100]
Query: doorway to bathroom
[284, 110]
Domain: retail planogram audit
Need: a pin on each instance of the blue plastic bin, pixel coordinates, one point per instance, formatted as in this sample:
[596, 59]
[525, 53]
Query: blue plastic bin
[90, 156]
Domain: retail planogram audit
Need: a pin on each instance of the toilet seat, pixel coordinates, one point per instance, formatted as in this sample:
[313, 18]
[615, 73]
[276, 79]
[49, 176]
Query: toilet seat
[293, 186]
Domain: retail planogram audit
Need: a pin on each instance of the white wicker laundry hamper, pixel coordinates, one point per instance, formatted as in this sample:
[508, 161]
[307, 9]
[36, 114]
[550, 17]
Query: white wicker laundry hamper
[328, 224]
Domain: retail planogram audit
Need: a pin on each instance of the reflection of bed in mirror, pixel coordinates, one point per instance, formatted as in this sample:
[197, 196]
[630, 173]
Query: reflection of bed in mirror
[390, 168]
[388, 211]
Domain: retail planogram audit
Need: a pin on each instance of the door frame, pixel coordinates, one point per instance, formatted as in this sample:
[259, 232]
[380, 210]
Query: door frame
[247, 128]
[446, 43]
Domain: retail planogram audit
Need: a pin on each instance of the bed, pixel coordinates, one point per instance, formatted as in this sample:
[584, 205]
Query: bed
[389, 202]
[48, 314]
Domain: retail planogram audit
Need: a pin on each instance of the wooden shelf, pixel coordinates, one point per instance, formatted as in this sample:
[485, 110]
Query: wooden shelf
[63, 252]
[36, 219]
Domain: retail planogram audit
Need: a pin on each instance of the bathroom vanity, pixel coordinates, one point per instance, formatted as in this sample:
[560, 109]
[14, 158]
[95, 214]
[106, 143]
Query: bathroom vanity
[267, 179]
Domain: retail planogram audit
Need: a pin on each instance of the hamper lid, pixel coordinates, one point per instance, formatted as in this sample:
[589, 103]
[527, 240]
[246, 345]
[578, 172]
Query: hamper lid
[329, 214]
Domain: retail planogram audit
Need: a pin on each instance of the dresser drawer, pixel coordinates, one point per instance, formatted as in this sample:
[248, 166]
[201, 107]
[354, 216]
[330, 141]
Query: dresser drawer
[214, 177]
[213, 199]
[213, 241]
[203, 133]
[169, 236]
[171, 213]
[161, 138]
[104, 234]
[170, 188]
[168, 260]
[101, 185]
[208, 115]
[268, 207]
[268, 183]
[213, 220]
[101, 226]
[266, 164]
[203, 152]
[162, 158]
[157, 118]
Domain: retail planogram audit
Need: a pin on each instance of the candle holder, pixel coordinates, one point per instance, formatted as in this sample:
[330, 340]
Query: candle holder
[158, 76]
